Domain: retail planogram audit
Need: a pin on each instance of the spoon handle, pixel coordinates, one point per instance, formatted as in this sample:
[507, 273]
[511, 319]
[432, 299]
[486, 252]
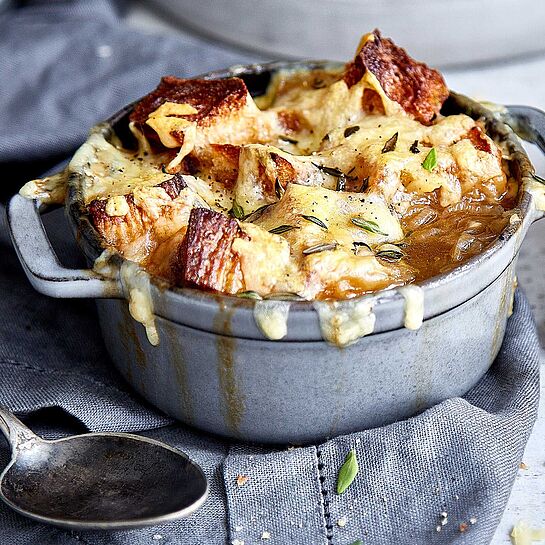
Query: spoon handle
[15, 431]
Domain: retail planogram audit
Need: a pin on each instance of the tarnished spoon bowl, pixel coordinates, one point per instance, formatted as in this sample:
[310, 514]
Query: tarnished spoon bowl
[98, 480]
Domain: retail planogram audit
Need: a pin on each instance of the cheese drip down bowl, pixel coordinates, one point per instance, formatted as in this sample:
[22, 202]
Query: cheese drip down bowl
[214, 369]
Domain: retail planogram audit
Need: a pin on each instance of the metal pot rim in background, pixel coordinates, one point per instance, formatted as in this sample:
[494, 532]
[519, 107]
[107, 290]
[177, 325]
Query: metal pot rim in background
[463, 32]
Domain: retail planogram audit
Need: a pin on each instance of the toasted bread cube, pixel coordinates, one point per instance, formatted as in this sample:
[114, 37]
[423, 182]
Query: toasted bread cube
[119, 228]
[225, 113]
[220, 254]
[418, 89]
[266, 262]
[174, 186]
[211, 98]
[205, 258]
[217, 164]
[136, 223]
[265, 171]
[161, 262]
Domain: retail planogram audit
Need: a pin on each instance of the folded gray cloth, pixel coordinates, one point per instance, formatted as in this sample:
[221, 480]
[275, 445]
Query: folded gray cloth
[66, 65]
[63, 67]
[459, 457]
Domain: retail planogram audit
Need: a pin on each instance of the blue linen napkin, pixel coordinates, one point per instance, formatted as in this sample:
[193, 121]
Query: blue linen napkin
[64, 66]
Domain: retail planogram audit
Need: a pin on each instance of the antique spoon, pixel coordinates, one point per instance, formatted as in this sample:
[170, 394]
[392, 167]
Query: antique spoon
[102, 481]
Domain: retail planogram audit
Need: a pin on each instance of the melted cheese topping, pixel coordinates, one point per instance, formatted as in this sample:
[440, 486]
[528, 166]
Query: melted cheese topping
[136, 285]
[414, 306]
[272, 318]
[107, 171]
[343, 323]
[137, 288]
[104, 266]
[49, 190]
[537, 190]
[345, 200]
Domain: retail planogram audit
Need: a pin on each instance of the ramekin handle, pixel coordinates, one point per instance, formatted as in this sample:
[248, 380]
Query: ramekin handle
[529, 124]
[40, 263]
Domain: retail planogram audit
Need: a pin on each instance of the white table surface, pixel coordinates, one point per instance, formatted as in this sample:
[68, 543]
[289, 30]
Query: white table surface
[522, 82]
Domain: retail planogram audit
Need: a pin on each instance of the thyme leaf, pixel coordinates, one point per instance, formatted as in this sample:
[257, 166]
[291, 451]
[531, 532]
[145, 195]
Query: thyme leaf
[289, 139]
[348, 472]
[414, 147]
[278, 189]
[368, 225]
[282, 229]
[332, 171]
[237, 211]
[284, 296]
[358, 244]
[337, 173]
[349, 131]
[430, 161]
[249, 295]
[315, 220]
[390, 144]
[318, 83]
[390, 252]
[320, 248]
[257, 213]
[364, 184]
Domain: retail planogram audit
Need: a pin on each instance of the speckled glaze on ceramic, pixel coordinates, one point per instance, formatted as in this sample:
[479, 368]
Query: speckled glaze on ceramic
[213, 368]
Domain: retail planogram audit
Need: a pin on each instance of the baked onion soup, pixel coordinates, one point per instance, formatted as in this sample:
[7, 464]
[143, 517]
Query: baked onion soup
[334, 184]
